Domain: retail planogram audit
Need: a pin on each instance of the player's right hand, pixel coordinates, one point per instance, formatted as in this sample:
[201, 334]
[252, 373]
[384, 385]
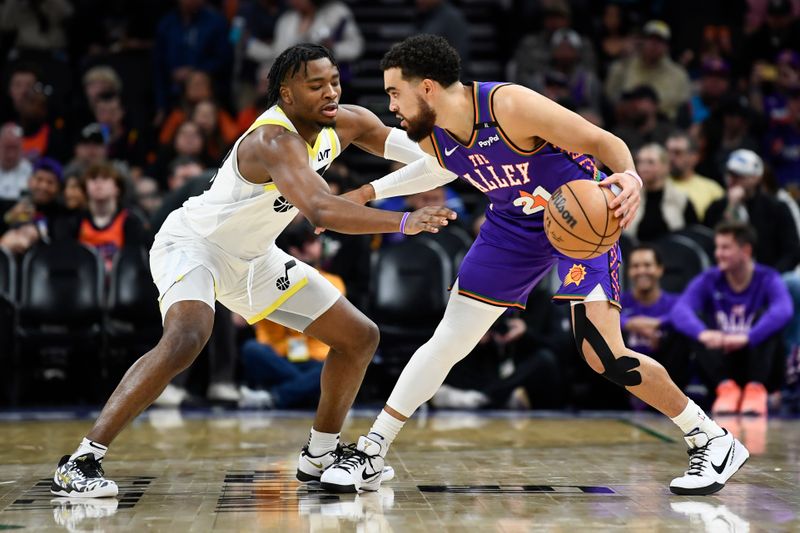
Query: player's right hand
[428, 219]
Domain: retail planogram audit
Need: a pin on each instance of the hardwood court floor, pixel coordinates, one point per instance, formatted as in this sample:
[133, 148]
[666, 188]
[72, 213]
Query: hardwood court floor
[456, 472]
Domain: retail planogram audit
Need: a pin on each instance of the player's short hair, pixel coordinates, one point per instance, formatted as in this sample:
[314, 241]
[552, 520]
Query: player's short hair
[644, 247]
[425, 56]
[289, 62]
[742, 233]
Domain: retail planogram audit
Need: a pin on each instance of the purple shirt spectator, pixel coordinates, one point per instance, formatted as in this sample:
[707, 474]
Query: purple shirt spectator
[660, 309]
[760, 311]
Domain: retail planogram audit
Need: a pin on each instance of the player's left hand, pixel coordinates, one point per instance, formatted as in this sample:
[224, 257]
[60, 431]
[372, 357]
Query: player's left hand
[627, 201]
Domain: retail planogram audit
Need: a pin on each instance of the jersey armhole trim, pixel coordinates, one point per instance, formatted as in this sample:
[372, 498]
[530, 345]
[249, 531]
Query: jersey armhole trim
[503, 135]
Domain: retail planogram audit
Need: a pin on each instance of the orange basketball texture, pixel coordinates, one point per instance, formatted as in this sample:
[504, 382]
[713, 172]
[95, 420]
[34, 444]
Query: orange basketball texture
[578, 222]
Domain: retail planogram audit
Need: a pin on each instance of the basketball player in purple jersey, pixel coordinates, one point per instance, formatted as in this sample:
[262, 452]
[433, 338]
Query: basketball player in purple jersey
[517, 147]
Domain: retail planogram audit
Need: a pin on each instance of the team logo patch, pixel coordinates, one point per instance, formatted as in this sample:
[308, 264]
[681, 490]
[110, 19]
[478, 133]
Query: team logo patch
[575, 275]
[281, 205]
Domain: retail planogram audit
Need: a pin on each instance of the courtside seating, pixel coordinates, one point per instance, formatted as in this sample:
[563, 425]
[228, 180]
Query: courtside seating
[408, 295]
[683, 260]
[59, 329]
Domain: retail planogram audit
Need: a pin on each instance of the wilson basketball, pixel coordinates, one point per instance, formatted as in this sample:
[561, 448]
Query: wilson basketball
[578, 222]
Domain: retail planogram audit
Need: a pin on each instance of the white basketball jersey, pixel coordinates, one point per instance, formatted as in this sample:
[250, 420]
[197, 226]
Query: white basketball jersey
[244, 218]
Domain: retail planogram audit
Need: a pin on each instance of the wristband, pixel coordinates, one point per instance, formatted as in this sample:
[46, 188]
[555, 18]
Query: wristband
[635, 175]
[403, 222]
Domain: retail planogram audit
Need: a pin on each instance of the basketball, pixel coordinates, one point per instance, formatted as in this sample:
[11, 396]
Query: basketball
[578, 222]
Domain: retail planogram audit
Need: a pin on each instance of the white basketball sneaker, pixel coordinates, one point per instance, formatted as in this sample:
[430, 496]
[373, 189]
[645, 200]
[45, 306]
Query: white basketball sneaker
[310, 467]
[711, 463]
[359, 467]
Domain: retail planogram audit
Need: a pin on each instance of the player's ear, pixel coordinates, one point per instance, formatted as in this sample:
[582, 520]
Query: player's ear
[286, 95]
[428, 86]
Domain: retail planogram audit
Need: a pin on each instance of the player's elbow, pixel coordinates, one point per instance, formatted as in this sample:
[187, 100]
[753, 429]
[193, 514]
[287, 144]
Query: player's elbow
[318, 210]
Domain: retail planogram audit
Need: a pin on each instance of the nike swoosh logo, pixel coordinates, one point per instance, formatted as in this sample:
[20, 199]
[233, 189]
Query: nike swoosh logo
[449, 152]
[319, 465]
[719, 469]
[366, 477]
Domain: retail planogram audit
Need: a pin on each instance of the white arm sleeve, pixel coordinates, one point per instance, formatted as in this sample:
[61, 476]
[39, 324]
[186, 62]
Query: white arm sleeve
[400, 148]
[422, 175]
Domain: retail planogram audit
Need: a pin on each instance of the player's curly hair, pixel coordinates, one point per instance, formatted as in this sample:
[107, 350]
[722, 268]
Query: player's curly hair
[289, 62]
[425, 56]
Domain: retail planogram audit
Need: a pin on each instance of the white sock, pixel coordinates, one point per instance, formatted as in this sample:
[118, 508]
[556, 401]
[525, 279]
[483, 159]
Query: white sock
[88, 446]
[320, 443]
[385, 430]
[693, 417]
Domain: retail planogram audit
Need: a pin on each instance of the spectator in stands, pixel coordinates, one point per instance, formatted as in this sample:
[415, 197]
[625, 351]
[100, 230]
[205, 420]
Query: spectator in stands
[441, 17]
[736, 312]
[98, 81]
[125, 141]
[725, 132]
[107, 226]
[284, 363]
[182, 169]
[22, 79]
[783, 146]
[683, 157]
[645, 314]
[188, 142]
[777, 246]
[502, 373]
[582, 86]
[532, 54]
[259, 18]
[327, 22]
[39, 25]
[90, 149]
[40, 136]
[148, 196]
[651, 65]
[612, 39]
[714, 85]
[663, 207]
[14, 169]
[190, 37]
[257, 102]
[770, 85]
[219, 129]
[74, 195]
[198, 88]
[38, 215]
[639, 120]
[780, 32]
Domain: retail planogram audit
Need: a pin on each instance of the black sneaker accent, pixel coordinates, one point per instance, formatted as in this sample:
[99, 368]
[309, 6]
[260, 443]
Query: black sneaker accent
[305, 478]
[721, 468]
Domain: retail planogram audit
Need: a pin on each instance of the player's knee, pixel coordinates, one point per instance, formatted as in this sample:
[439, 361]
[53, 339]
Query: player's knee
[181, 349]
[610, 360]
[366, 340]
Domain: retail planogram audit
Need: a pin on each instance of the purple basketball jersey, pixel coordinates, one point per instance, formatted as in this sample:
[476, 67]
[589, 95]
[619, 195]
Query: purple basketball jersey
[512, 253]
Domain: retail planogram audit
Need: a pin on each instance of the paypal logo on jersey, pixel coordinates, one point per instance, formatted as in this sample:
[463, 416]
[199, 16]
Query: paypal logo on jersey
[489, 141]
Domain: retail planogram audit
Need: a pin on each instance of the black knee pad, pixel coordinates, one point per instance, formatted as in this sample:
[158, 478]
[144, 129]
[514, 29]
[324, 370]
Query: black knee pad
[619, 370]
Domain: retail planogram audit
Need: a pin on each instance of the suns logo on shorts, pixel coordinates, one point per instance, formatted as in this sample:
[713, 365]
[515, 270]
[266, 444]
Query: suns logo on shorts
[281, 205]
[575, 275]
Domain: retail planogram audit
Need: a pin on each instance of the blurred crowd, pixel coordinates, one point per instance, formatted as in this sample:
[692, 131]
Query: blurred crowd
[114, 112]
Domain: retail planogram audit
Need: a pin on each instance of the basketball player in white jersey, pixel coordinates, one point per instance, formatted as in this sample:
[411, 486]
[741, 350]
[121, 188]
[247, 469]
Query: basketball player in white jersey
[221, 246]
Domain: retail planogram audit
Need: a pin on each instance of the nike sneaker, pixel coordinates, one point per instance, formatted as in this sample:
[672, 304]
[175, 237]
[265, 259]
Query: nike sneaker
[310, 467]
[82, 477]
[359, 467]
[712, 461]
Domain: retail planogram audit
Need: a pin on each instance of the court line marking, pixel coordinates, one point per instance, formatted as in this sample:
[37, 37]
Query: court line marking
[652, 432]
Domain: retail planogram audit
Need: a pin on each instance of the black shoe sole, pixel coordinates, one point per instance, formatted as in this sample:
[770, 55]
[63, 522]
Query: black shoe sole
[305, 478]
[704, 491]
[342, 489]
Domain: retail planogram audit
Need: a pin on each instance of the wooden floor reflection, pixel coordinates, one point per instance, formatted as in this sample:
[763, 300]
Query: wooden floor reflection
[455, 472]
